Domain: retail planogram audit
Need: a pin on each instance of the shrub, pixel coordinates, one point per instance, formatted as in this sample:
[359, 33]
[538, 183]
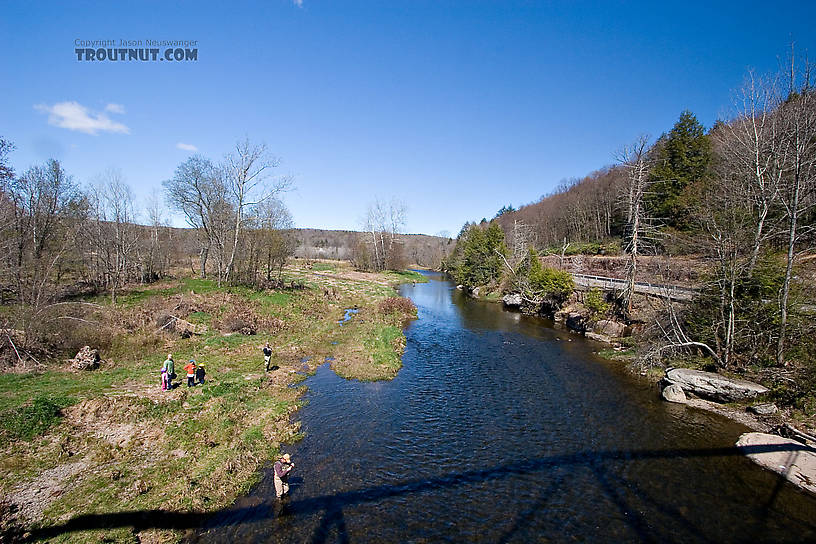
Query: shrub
[239, 323]
[550, 283]
[595, 302]
[397, 304]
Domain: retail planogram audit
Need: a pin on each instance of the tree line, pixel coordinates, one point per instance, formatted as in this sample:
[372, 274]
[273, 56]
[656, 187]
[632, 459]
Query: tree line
[243, 229]
[63, 240]
[740, 196]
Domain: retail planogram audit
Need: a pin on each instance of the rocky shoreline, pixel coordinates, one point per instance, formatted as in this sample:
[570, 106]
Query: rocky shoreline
[774, 444]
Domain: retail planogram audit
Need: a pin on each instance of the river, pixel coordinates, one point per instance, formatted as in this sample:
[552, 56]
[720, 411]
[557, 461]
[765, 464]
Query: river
[500, 428]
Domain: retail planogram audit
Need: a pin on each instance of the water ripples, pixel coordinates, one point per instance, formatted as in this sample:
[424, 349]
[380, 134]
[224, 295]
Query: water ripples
[499, 429]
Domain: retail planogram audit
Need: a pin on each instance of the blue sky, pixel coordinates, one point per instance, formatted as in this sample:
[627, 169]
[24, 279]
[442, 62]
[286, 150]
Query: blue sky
[455, 107]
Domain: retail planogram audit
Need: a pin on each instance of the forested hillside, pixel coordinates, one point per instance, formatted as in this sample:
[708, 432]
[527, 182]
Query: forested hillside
[736, 201]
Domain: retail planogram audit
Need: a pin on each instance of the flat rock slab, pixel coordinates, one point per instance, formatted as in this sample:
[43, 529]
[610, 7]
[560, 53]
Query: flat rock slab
[789, 458]
[713, 386]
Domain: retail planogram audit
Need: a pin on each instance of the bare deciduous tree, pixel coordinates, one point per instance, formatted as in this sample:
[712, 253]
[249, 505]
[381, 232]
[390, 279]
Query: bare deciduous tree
[247, 173]
[384, 221]
[634, 159]
[799, 182]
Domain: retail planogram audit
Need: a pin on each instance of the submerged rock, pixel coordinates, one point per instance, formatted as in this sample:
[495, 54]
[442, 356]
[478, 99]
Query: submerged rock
[793, 460]
[674, 393]
[713, 386]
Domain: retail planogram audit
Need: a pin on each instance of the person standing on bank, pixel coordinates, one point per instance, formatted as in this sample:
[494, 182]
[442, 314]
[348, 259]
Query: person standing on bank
[267, 351]
[283, 466]
[190, 368]
[169, 367]
[200, 373]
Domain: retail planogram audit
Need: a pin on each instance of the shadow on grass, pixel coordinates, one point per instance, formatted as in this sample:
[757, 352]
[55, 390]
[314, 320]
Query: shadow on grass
[331, 506]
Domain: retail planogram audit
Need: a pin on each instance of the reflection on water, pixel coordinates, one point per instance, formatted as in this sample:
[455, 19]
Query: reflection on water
[501, 429]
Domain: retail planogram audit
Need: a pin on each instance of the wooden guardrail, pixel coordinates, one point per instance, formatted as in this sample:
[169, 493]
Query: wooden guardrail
[672, 292]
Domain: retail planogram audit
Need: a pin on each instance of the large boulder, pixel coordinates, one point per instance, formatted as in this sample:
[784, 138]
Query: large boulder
[610, 328]
[576, 322]
[713, 386]
[86, 359]
[791, 459]
[512, 300]
[674, 393]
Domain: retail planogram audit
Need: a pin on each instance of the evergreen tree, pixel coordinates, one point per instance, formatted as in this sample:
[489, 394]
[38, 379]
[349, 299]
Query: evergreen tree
[478, 256]
[682, 158]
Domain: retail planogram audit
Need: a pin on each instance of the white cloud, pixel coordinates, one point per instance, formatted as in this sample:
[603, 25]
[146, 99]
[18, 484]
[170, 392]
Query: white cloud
[115, 108]
[298, 3]
[186, 147]
[75, 116]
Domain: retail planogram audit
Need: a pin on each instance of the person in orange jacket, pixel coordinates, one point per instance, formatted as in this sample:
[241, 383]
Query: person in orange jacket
[190, 368]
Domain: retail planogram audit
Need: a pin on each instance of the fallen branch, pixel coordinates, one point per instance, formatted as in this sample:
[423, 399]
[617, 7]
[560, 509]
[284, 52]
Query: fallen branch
[689, 344]
[172, 319]
[75, 319]
[499, 253]
[14, 347]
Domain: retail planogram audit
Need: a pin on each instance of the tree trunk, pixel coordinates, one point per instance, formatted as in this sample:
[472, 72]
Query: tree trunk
[783, 303]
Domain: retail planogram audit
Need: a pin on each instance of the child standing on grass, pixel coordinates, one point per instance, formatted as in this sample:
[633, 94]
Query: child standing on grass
[164, 380]
[190, 368]
[200, 373]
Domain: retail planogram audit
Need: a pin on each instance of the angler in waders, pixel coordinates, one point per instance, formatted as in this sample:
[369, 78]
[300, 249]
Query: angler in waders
[282, 467]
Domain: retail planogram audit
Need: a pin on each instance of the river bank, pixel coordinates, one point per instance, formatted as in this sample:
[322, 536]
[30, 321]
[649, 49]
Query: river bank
[497, 404]
[93, 454]
[626, 343]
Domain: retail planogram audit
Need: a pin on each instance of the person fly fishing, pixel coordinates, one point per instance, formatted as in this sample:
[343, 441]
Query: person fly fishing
[282, 467]
[267, 351]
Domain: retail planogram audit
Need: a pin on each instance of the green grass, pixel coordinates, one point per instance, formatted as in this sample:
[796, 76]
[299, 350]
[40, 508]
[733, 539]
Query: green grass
[33, 419]
[404, 276]
[19, 389]
[320, 267]
[381, 347]
[200, 317]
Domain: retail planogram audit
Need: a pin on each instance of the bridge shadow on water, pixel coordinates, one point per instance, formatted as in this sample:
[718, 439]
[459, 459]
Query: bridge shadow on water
[330, 508]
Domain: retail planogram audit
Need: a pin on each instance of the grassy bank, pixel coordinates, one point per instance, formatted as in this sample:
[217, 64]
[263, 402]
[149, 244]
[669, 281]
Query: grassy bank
[109, 441]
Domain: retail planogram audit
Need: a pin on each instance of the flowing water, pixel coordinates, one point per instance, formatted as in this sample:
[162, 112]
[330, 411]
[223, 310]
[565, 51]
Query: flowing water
[500, 428]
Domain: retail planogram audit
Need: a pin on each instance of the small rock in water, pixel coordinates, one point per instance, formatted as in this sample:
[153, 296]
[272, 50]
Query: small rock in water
[674, 393]
[766, 409]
